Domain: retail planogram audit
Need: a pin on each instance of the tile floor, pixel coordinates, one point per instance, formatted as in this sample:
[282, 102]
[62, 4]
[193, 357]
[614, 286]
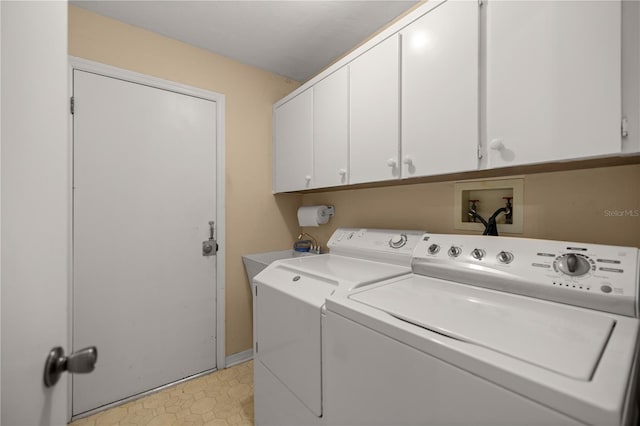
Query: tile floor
[217, 399]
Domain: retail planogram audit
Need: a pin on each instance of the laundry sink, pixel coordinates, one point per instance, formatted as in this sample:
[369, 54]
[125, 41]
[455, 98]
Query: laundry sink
[254, 263]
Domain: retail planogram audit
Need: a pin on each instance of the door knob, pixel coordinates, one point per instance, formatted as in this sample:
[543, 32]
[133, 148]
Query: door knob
[82, 361]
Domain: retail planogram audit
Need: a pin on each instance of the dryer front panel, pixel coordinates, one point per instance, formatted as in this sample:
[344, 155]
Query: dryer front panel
[288, 334]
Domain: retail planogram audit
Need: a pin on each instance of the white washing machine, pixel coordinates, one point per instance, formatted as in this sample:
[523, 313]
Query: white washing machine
[288, 304]
[489, 331]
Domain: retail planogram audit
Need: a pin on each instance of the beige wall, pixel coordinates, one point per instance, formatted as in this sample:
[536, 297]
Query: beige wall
[256, 220]
[564, 205]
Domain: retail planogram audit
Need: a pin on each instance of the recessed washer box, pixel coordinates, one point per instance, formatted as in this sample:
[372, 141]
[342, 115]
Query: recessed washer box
[491, 194]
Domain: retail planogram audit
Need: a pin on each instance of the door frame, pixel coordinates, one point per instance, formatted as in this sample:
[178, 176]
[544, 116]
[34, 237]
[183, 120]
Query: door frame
[81, 64]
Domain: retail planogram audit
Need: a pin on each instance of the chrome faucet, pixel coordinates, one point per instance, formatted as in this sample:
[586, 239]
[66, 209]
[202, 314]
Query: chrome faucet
[473, 210]
[315, 247]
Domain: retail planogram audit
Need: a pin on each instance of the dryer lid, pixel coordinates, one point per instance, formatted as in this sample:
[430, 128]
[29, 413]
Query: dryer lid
[341, 268]
[557, 337]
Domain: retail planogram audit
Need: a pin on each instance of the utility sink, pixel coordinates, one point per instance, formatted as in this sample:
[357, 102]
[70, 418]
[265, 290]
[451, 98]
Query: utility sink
[255, 263]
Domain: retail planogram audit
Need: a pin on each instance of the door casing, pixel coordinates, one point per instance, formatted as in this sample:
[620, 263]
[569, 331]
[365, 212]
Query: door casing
[76, 63]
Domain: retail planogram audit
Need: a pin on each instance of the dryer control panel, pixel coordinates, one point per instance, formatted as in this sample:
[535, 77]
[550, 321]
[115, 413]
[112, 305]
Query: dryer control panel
[386, 245]
[590, 275]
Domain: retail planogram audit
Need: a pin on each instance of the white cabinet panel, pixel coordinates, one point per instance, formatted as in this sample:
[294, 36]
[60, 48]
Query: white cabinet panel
[293, 144]
[374, 113]
[440, 91]
[331, 130]
[631, 74]
[553, 80]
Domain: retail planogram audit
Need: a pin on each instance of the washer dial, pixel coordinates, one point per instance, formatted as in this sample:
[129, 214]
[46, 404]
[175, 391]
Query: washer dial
[477, 253]
[433, 249]
[398, 240]
[505, 257]
[455, 251]
[573, 264]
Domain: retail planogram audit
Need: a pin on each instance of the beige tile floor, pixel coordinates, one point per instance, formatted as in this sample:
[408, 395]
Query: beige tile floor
[217, 399]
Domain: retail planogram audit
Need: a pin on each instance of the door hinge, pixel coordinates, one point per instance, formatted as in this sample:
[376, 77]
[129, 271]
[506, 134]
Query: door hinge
[256, 291]
[256, 347]
[72, 105]
[624, 127]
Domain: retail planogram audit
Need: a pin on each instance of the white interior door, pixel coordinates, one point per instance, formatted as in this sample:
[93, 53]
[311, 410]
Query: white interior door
[144, 193]
[35, 208]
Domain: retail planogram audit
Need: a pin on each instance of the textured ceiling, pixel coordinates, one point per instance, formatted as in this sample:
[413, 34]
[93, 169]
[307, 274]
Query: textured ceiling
[295, 38]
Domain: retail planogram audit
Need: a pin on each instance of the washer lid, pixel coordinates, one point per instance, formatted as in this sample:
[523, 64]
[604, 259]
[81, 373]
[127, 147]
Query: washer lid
[557, 337]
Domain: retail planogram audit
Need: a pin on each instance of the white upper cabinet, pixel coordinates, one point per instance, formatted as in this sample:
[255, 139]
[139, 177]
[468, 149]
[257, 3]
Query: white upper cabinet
[374, 94]
[331, 130]
[553, 80]
[440, 91]
[293, 144]
[455, 86]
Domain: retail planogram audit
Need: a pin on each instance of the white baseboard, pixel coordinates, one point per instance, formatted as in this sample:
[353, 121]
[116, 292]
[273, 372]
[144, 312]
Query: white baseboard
[239, 358]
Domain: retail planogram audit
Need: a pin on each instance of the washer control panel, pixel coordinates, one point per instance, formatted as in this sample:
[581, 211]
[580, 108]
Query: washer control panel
[394, 246]
[589, 275]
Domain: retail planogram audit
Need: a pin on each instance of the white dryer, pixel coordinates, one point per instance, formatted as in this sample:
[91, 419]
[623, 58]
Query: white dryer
[489, 330]
[288, 304]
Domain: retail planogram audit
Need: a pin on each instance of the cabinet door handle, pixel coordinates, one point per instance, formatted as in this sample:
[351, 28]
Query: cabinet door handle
[342, 172]
[391, 162]
[496, 144]
[407, 160]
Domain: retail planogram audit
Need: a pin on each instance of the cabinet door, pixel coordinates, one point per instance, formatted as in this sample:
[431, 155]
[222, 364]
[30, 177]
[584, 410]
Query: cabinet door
[374, 113]
[440, 91]
[331, 130]
[553, 80]
[293, 144]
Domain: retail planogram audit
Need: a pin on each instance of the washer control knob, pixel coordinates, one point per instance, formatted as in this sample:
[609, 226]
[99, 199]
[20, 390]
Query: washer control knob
[478, 254]
[398, 240]
[505, 257]
[433, 249]
[573, 264]
[455, 251]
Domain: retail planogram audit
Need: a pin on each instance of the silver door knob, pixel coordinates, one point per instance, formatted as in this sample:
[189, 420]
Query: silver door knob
[82, 361]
